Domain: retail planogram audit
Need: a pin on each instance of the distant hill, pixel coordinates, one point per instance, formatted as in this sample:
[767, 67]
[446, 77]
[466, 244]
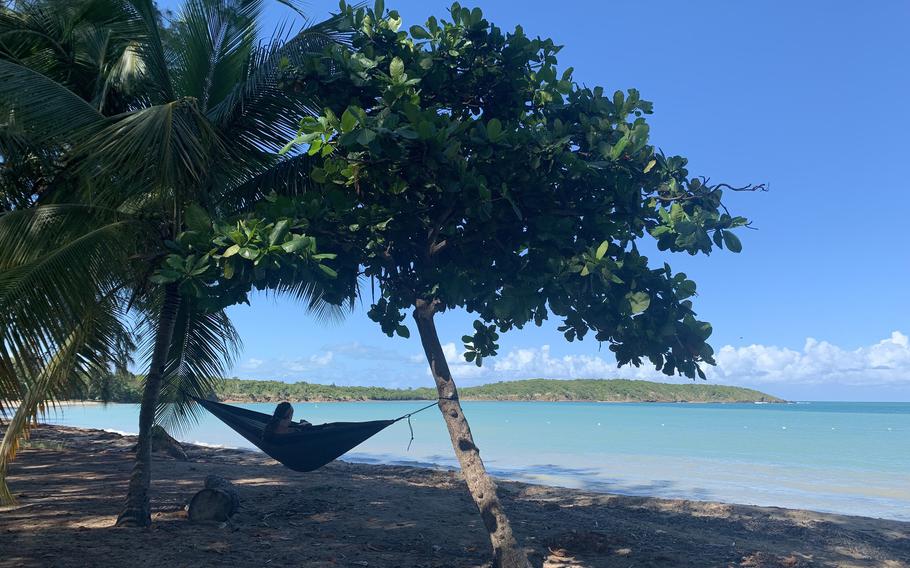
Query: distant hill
[612, 390]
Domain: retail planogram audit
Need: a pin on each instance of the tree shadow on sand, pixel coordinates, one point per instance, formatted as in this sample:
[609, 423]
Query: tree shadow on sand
[351, 514]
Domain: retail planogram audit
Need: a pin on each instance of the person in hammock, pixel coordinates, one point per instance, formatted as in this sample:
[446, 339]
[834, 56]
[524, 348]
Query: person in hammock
[282, 423]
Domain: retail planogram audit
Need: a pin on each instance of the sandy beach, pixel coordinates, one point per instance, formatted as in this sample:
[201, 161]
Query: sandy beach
[70, 482]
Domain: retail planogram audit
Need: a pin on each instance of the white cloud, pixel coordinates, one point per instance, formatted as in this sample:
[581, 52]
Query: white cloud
[459, 368]
[323, 359]
[884, 363]
[252, 363]
[819, 362]
[539, 363]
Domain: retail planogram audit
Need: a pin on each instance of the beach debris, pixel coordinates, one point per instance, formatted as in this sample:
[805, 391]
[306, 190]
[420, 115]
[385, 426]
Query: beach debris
[217, 502]
[162, 442]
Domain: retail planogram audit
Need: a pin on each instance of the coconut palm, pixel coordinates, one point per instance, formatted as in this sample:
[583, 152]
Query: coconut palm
[196, 127]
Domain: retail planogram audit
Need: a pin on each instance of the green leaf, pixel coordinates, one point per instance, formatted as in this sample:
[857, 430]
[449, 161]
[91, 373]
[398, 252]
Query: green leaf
[231, 251]
[602, 250]
[403, 331]
[494, 129]
[396, 68]
[279, 232]
[732, 242]
[295, 245]
[348, 120]
[249, 253]
[379, 8]
[418, 32]
[366, 136]
[330, 272]
[197, 219]
[620, 146]
[639, 301]
[161, 279]
[650, 165]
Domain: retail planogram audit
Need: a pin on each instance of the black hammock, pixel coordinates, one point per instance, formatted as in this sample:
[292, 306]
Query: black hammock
[304, 449]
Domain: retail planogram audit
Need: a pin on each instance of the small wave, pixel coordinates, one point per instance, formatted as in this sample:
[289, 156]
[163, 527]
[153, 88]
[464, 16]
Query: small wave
[216, 446]
[121, 432]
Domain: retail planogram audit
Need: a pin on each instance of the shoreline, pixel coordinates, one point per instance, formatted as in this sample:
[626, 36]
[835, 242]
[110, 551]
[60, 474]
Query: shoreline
[70, 483]
[463, 399]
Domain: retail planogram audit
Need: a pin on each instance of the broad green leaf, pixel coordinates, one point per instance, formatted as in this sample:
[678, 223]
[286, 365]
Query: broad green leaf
[249, 253]
[732, 241]
[231, 251]
[602, 250]
[330, 272]
[650, 165]
[494, 129]
[279, 232]
[295, 245]
[396, 68]
[366, 136]
[197, 219]
[418, 32]
[348, 120]
[639, 301]
[616, 152]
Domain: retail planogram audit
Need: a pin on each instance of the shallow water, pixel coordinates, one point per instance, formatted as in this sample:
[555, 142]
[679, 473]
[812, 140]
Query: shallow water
[851, 458]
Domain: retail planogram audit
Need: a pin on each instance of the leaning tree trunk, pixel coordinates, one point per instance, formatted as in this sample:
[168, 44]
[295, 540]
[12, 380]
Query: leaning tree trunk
[137, 510]
[506, 552]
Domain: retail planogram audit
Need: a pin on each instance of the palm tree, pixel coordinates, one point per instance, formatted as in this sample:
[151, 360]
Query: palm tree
[197, 126]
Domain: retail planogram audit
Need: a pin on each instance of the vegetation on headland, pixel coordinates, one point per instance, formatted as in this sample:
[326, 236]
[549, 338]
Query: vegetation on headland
[129, 389]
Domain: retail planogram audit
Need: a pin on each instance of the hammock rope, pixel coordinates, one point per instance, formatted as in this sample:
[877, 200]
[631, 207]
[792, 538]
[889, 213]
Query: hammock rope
[409, 414]
[308, 448]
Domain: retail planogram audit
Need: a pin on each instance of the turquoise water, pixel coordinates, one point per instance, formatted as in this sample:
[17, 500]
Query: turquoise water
[851, 458]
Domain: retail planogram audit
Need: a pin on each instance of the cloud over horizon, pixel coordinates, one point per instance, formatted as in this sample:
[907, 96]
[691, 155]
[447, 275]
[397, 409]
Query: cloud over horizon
[885, 363]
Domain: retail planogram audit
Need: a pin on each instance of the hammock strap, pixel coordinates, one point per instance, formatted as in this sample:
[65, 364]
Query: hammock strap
[409, 414]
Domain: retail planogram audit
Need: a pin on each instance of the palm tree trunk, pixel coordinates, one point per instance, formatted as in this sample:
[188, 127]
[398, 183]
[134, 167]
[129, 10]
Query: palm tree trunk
[137, 510]
[506, 552]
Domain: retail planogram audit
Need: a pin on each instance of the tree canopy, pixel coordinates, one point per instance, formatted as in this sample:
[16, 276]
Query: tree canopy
[480, 176]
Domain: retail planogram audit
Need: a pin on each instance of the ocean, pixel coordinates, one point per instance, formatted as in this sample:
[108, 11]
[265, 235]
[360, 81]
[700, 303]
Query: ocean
[849, 458]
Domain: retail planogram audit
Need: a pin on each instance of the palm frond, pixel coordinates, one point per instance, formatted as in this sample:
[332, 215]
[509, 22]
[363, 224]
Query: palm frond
[262, 115]
[204, 349]
[87, 348]
[288, 176]
[166, 147]
[215, 40]
[44, 110]
[152, 50]
[46, 289]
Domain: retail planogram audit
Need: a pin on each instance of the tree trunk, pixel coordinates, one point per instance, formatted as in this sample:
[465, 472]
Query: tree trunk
[217, 502]
[506, 552]
[137, 510]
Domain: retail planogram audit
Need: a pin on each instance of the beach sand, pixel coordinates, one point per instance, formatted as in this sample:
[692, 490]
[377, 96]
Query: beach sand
[70, 484]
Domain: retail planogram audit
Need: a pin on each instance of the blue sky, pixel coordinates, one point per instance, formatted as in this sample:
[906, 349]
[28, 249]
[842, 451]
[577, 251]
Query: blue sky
[809, 97]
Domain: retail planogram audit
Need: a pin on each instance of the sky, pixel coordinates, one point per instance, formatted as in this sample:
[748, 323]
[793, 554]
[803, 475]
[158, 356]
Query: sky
[808, 97]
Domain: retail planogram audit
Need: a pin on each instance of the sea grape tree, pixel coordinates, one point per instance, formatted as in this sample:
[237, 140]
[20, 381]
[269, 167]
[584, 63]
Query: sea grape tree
[479, 177]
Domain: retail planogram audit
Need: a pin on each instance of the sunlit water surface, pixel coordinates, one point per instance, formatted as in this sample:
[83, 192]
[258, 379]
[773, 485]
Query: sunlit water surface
[851, 458]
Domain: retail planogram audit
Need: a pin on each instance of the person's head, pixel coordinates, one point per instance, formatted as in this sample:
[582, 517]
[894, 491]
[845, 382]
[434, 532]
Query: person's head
[284, 411]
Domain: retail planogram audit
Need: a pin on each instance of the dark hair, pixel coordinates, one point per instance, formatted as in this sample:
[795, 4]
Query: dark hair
[280, 412]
